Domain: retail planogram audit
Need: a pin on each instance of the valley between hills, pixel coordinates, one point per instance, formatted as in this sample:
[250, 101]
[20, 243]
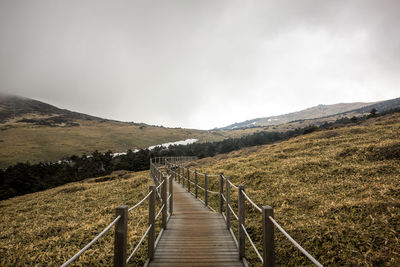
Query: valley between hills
[34, 131]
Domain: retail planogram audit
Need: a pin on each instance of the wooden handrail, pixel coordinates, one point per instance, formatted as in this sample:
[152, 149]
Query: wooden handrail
[175, 170]
[268, 257]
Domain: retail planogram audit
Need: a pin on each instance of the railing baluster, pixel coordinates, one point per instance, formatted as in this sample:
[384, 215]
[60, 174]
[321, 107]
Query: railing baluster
[152, 215]
[195, 184]
[171, 199]
[188, 177]
[221, 192]
[183, 176]
[242, 210]
[268, 237]
[206, 189]
[228, 201]
[121, 236]
[164, 202]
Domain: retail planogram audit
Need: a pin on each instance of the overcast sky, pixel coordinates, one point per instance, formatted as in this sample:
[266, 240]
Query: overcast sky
[199, 64]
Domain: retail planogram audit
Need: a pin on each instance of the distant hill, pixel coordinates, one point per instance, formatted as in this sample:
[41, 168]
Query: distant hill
[17, 107]
[35, 131]
[320, 111]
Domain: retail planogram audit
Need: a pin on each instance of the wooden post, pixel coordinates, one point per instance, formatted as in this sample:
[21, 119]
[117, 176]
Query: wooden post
[183, 176]
[221, 192]
[152, 216]
[228, 201]
[164, 202]
[171, 199]
[206, 189]
[159, 181]
[121, 236]
[268, 237]
[188, 177]
[195, 184]
[242, 209]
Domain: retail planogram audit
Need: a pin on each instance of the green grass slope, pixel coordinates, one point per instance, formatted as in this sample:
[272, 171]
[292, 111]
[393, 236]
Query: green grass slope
[336, 192]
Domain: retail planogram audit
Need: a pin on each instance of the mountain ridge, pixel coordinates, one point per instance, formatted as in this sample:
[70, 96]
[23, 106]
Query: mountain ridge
[17, 107]
[317, 112]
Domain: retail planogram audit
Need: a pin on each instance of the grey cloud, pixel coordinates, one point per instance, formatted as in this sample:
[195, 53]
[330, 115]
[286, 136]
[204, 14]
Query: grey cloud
[199, 63]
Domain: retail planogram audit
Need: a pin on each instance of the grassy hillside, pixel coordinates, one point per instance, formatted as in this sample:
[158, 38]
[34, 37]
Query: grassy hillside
[47, 228]
[337, 192]
[21, 142]
[34, 131]
[316, 115]
[306, 114]
[34, 143]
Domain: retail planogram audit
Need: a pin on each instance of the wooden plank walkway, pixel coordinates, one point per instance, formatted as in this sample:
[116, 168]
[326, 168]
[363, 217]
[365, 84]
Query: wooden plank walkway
[195, 236]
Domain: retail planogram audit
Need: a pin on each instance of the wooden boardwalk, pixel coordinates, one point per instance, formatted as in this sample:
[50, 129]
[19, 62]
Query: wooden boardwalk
[195, 236]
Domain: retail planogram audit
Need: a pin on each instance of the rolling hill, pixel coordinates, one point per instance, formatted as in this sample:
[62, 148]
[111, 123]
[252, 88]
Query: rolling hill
[319, 114]
[16, 108]
[34, 131]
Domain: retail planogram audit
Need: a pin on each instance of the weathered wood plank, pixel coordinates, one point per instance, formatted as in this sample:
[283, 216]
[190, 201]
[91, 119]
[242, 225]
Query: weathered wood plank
[195, 236]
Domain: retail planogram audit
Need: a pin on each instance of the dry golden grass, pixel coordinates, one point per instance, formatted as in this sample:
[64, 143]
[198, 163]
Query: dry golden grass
[21, 142]
[336, 192]
[49, 227]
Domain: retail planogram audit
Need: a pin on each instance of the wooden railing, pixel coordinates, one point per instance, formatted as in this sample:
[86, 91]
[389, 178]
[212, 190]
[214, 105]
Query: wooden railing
[163, 171]
[182, 175]
[158, 191]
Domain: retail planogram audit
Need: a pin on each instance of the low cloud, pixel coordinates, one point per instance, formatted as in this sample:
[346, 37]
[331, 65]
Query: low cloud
[199, 64]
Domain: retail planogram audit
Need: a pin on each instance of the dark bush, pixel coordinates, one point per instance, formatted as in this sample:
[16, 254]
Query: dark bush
[388, 152]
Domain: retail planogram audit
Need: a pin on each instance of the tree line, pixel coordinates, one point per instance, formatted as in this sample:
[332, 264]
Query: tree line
[23, 178]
